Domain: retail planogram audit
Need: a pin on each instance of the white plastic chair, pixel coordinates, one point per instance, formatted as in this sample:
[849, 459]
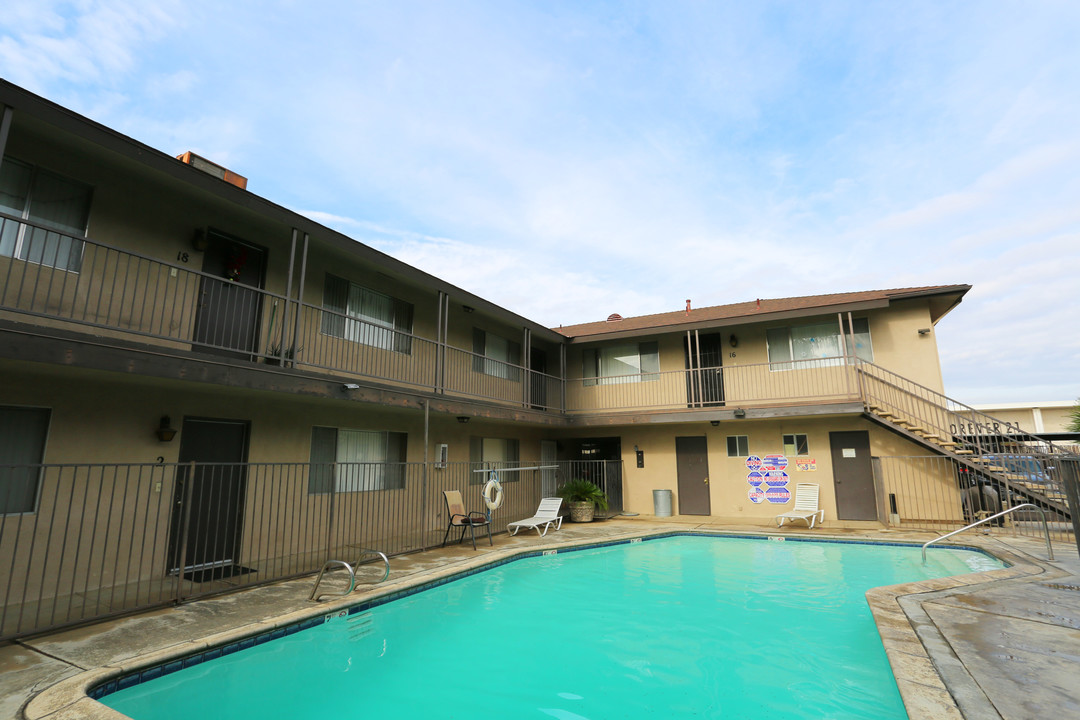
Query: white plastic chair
[547, 515]
[806, 506]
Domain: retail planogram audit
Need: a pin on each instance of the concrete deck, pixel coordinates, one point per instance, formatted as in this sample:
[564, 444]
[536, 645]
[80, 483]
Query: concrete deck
[1001, 644]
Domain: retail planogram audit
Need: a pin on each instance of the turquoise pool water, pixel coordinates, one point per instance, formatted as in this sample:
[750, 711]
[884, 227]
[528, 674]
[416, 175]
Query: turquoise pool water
[669, 628]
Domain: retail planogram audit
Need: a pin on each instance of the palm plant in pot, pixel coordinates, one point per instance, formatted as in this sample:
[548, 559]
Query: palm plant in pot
[583, 498]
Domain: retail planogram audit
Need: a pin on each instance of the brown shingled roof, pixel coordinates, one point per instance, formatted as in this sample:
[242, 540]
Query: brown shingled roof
[755, 308]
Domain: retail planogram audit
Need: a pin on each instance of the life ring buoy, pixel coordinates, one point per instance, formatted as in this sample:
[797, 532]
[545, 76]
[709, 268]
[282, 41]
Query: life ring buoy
[493, 488]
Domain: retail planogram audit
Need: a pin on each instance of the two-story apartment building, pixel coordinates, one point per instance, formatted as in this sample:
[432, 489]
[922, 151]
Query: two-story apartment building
[200, 385]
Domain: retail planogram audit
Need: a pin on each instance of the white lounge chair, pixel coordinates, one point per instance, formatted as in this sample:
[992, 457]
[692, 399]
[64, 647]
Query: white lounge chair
[547, 515]
[806, 506]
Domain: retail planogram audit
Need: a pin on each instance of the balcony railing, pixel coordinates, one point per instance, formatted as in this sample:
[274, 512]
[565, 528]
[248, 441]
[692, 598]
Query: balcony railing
[73, 281]
[92, 540]
[785, 383]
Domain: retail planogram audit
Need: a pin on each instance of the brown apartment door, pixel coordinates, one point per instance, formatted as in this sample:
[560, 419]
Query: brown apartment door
[692, 466]
[208, 504]
[227, 317]
[853, 475]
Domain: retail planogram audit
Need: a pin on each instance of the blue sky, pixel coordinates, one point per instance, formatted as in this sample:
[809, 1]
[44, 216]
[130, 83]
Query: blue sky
[569, 160]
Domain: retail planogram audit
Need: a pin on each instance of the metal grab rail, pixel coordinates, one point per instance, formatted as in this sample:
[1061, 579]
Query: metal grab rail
[352, 573]
[1046, 529]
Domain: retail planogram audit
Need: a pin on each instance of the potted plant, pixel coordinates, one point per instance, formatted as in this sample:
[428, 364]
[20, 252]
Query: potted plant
[583, 498]
[273, 354]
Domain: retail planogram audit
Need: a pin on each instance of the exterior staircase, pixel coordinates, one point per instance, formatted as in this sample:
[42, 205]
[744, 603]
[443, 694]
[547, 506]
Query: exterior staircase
[1020, 466]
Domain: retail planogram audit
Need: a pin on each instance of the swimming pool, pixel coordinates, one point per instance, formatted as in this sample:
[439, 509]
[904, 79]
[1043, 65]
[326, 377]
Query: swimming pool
[686, 626]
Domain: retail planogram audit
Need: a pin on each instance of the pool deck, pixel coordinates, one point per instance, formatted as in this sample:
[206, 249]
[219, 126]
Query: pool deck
[1000, 644]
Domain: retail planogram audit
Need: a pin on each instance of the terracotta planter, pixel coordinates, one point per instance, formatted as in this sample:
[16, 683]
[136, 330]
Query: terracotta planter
[582, 511]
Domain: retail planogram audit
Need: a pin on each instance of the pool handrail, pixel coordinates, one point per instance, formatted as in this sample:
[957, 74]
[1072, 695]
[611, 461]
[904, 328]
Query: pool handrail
[352, 572]
[1042, 513]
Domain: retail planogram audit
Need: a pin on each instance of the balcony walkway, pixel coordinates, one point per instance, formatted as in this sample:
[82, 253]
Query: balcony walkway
[1004, 642]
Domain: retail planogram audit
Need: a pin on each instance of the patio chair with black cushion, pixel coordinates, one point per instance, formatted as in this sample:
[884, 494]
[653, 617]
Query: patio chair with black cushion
[455, 508]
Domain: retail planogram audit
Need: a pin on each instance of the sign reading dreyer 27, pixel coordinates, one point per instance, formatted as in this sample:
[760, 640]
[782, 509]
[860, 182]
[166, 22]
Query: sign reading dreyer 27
[769, 470]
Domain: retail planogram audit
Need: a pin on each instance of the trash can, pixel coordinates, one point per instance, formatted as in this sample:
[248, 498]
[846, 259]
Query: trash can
[661, 503]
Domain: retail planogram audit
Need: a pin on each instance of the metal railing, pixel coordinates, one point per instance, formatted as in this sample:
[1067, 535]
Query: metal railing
[939, 493]
[94, 540]
[777, 383]
[995, 516]
[69, 281]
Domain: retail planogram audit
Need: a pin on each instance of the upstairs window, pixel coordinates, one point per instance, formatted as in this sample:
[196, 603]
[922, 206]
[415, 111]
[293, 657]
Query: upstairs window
[793, 347]
[496, 356]
[366, 460]
[618, 364]
[60, 205]
[366, 317]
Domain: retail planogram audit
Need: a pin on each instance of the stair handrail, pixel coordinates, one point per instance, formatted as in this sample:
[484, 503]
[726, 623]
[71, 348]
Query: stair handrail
[1046, 529]
[945, 401]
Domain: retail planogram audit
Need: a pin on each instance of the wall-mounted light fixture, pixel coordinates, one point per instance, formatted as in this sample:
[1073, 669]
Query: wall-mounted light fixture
[640, 454]
[714, 423]
[463, 419]
[740, 413]
[733, 341]
[924, 331]
[467, 309]
[199, 240]
[164, 431]
[350, 386]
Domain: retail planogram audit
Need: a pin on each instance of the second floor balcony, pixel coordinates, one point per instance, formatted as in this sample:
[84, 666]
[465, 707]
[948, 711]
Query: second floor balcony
[60, 282]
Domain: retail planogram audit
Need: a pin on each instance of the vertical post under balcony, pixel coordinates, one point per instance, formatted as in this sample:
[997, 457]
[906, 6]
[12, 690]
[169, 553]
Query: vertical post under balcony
[300, 298]
[562, 373]
[288, 298]
[5, 129]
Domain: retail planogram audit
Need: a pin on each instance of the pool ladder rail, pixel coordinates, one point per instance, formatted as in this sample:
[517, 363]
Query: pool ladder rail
[352, 573]
[1042, 513]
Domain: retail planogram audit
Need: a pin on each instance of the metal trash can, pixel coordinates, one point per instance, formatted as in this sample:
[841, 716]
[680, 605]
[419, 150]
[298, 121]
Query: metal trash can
[661, 503]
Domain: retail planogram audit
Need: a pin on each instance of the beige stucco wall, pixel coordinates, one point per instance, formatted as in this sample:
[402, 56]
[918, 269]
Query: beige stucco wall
[728, 486]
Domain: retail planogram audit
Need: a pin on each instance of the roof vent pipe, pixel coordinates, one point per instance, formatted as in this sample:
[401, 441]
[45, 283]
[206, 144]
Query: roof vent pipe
[688, 306]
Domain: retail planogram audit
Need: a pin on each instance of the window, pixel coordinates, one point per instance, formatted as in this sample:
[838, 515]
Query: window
[796, 445]
[496, 356]
[494, 453]
[22, 442]
[380, 320]
[44, 198]
[618, 364]
[820, 341]
[738, 445]
[367, 460]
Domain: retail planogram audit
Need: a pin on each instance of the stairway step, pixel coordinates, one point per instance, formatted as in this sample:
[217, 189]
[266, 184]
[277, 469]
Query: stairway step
[963, 452]
[1013, 476]
[993, 468]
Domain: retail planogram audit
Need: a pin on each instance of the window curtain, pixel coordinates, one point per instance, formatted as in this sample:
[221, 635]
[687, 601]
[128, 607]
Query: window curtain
[380, 320]
[58, 203]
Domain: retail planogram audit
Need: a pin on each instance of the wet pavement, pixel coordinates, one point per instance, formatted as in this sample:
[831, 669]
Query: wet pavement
[1001, 644]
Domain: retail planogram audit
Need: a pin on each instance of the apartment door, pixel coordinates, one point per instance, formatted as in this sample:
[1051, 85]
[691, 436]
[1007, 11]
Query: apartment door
[705, 376]
[692, 466]
[853, 475]
[227, 316]
[537, 378]
[208, 503]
